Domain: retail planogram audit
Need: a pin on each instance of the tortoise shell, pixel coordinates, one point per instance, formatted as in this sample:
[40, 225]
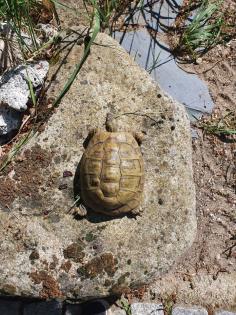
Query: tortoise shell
[112, 173]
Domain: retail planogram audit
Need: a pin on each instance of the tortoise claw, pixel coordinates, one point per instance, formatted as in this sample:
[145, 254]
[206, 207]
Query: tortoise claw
[81, 211]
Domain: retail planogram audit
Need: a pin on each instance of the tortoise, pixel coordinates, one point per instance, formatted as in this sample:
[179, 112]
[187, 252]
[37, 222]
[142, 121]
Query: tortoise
[111, 172]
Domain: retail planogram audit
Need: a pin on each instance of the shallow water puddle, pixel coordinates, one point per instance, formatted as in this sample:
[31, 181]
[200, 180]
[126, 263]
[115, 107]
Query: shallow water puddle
[155, 56]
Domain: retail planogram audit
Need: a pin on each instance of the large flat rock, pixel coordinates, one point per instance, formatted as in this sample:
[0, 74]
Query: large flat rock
[46, 252]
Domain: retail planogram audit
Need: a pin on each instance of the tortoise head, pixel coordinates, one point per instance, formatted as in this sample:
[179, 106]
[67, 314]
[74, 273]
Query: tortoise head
[111, 124]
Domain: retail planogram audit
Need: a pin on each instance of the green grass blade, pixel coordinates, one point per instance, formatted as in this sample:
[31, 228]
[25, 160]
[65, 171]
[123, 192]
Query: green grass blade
[16, 149]
[63, 5]
[32, 94]
[204, 31]
[67, 86]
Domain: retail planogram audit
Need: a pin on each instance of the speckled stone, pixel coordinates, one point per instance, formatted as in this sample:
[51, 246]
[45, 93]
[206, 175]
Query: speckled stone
[193, 310]
[97, 256]
[14, 89]
[146, 309]
[220, 312]
[119, 312]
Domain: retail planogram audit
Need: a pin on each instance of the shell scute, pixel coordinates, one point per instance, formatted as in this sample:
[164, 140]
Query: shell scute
[127, 151]
[92, 182]
[125, 195]
[130, 183]
[111, 158]
[110, 174]
[96, 151]
[131, 167]
[93, 166]
[110, 189]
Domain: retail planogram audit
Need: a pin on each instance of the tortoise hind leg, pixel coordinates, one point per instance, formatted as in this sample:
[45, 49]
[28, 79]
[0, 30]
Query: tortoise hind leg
[81, 211]
[77, 208]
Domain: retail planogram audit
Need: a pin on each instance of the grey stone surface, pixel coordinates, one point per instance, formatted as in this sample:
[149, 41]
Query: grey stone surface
[14, 88]
[116, 310]
[43, 308]
[146, 309]
[48, 30]
[15, 93]
[49, 253]
[221, 312]
[10, 307]
[193, 310]
[119, 312]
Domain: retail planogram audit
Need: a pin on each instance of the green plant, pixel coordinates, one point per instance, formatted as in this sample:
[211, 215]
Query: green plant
[168, 302]
[125, 305]
[21, 18]
[225, 125]
[155, 64]
[109, 10]
[204, 31]
[31, 88]
[17, 14]
[95, 29]
[23, 140]
[16, 149]
[106, 9]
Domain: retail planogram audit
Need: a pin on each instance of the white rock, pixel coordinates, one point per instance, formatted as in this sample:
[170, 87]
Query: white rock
[225, 313]
[48, 30]
[146, 309]
[36, 72]
[194, 310]
[14, 89]
[15, 93]
[119, 312]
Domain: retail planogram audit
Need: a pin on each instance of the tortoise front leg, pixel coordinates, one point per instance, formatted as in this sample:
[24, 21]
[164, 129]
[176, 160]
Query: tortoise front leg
[91, 133]
[138, 136]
